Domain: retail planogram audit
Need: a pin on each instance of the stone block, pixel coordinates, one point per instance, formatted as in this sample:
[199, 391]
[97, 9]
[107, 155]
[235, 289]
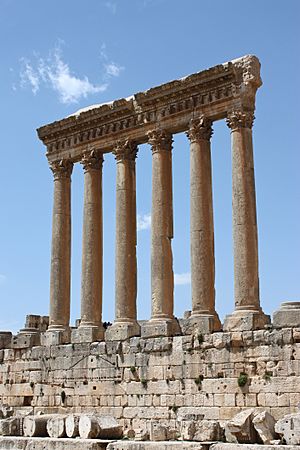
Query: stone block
[121, 331]
[55, 337]
[25, 340]
[240, 429]
[153, 328]
[289, 428]
[264, 424]
[246, 321]
[87, 334]
[11, 426]
[287, 316]
[204, 324]
[5, 339]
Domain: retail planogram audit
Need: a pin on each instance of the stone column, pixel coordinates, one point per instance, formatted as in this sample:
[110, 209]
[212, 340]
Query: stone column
[162, 321]
[125, 324]
[59, 316]
[203, 316]
[91, 328]
[248, 314]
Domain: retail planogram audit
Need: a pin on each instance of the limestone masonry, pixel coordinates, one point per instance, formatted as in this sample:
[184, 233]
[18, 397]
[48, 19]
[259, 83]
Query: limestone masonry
[185, 382]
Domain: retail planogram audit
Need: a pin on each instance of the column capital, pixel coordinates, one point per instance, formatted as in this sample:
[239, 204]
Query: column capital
[125, 150]
[61, 169]
[160, 140]
[92, 160]
[240, 119]
[200, 128]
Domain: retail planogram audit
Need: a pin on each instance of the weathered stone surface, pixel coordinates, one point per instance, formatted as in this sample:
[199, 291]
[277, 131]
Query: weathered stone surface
[11, 426]
[36, 426]
[5, 339]
[168, 445]
[240, 428]
[289, 428]
[56, 426]
[264, 424]
[207, 430]
[288, 315]
[25, 443]
[223, 446]
[95, 426]
[72, 425]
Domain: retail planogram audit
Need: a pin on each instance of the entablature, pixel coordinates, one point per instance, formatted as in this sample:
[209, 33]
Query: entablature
[213, 92]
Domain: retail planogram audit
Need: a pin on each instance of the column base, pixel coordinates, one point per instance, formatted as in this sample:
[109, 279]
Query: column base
[120, 331]
[160, 327]
[87, 334]
[56, 337]
[246, 320]
[202, 323]
[287, 316]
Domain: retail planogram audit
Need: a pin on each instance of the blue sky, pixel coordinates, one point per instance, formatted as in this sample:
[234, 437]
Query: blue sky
[61, 55]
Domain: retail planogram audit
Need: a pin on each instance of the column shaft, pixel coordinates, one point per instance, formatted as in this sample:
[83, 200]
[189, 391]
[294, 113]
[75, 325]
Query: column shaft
[125, 324]
[92, 251]
[202, 226]
[162, 278]
[61, 247]
[246, 278]
[126, 270]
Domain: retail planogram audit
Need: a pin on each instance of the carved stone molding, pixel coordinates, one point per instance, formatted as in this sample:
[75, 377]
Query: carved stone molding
[160, 140]
[200, 129]
[240, 119]
[61, 169]
[91, 160]
[125, 150]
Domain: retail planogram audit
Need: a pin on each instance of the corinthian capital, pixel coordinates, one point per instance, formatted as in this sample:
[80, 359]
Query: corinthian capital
[125, 150]
[200, 129]
[160, 140]
[91, 160]
[240, 119]
[61, 169]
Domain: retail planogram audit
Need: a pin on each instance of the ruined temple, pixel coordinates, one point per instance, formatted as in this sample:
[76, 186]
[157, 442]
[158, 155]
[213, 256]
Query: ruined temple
[163, 379]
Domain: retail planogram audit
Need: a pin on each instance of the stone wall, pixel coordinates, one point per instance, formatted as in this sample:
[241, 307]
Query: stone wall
[163, 379]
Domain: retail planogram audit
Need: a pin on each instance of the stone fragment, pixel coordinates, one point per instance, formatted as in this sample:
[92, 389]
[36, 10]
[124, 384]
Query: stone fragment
[141, 434]
[6, 411]
[187, 430]
[158, 432]
[207, 430]
[240, 429]
[129, 433]
[56, 427]
[264, 424]
[36, 426]
[11, 426]
[289, 428]
[72, 425]
[102, 427]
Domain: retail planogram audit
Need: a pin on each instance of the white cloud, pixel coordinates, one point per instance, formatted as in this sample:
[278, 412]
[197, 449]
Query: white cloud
[112, 69]
[2, 279]
[182, 278]
[143, 222]
[56, 74]
[29, 76]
